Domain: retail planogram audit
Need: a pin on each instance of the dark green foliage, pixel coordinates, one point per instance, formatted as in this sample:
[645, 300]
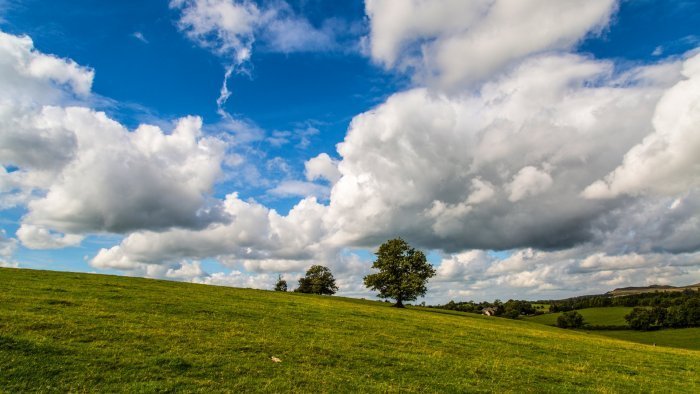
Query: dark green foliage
[318, 280]
[403, 272]
[645, 319]
[281, 284]
[514, 308]
[686, 314]
[570, 319]
[511, 314]
[658, 315]
[663, 299]
[640, 319]
[465, 306]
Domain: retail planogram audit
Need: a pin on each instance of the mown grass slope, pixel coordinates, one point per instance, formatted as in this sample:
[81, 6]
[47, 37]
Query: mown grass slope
[684, 338]
[610, 316]
[80, 332]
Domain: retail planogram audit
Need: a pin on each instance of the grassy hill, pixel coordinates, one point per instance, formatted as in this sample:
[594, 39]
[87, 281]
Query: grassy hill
[609, 316]
[623, 291]
[80, 332]
[684, 338]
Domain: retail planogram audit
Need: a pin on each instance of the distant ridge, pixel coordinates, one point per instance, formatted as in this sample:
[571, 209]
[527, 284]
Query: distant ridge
[650, 289]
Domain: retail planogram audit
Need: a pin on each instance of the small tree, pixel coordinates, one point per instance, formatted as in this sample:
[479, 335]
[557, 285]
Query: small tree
[318, 280]
[571, 319]
[281, 284]
[403, 272]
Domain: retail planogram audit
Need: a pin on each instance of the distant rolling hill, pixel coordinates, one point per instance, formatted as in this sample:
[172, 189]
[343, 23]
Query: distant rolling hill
[70, 332]
[650, 289]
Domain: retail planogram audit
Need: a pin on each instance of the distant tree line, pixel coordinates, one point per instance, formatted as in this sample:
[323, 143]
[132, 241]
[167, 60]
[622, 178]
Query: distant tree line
[464, 306]
[670, 309]
[659, 298]
[686, 314]
[511, 309]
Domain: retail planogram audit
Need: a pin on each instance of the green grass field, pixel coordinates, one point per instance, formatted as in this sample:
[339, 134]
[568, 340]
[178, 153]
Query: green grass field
[684, 338]
[612, 316]
[79, 332]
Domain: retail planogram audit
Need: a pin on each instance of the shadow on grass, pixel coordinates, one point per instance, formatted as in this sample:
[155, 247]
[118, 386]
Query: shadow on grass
[29, 348]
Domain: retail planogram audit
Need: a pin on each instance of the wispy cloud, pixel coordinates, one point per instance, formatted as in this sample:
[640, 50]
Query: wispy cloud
[139, 36]
[230, 28]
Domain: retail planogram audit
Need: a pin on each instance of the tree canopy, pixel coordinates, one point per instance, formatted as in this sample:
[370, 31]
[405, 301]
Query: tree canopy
[570, 319]
[318, 280]
[403, 272]
[281, 284]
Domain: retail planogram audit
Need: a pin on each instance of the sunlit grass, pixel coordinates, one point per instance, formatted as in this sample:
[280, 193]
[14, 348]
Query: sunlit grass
[685, 338]
[80, 332]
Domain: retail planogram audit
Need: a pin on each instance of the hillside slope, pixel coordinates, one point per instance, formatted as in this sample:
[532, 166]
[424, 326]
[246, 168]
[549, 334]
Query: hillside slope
[81, 332]
[623, 291]
[684, 338]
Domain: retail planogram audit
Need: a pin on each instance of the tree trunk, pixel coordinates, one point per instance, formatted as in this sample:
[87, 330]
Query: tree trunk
[398, 304]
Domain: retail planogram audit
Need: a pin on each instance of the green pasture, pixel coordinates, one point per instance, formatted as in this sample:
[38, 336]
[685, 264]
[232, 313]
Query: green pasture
[611, 316]
[68, 332]
[685, 338]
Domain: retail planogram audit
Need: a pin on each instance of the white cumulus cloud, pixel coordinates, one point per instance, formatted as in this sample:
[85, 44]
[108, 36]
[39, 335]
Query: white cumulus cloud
[454, 42]
[581, 175]
[455, 172]
[255, 234]
[78, 171]
[322, 167]
[667, 161]
[7, 246]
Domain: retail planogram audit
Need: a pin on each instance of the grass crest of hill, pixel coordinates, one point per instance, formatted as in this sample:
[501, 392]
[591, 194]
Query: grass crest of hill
[73, 332]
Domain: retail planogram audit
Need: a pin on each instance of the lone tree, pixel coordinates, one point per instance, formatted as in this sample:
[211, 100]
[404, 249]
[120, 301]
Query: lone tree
[318, 280]
[281, 284]
[403, 272]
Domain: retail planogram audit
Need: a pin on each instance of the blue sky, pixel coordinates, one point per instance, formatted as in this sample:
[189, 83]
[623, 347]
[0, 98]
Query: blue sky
[166, 76]
[294, 99]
